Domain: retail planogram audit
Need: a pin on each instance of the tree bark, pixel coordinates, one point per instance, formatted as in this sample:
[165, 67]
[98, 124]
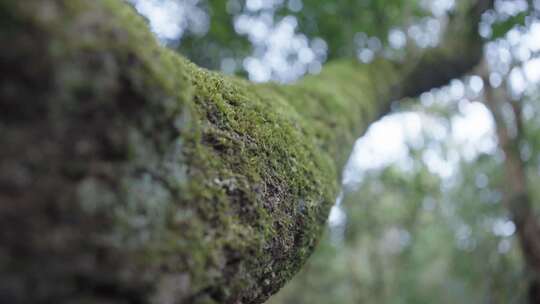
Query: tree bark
[517, 197]
[129, 175]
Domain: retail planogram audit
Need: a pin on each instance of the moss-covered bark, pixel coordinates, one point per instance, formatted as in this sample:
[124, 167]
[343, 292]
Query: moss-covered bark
[129, 175]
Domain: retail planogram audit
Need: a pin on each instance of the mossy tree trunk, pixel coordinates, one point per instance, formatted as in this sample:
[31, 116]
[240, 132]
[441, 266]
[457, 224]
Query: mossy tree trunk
[129, 175]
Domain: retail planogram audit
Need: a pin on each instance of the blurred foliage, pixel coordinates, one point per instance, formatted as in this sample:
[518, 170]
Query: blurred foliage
[345, 25]
[221, 40]
[501, 28]
[337, 22]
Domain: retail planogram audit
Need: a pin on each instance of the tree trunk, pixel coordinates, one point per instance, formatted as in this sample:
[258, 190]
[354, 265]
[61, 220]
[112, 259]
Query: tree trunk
[517, 197]
[129, 175]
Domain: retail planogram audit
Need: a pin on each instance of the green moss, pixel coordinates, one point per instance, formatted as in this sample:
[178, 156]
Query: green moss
[189, 184]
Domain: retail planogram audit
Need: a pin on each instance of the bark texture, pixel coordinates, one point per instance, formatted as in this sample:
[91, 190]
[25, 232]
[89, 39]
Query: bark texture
[129, 175]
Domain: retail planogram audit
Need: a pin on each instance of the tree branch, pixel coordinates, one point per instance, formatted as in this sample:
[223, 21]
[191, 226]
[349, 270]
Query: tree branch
[460, 50]
[129, 174]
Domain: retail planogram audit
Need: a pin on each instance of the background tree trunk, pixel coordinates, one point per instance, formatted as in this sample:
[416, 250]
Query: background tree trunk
[517, 195]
